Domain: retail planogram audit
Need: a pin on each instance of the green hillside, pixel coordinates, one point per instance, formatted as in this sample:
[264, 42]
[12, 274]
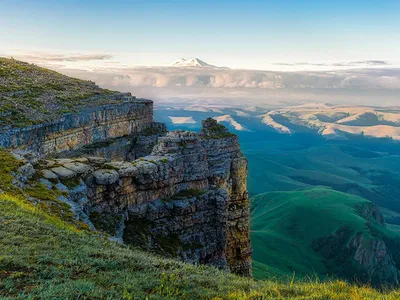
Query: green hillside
[290, 230]
[42, 257]
[30, 94]
[372, 175]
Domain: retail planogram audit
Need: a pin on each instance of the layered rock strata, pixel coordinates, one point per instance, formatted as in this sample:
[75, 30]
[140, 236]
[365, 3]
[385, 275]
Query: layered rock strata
[125, 148]
[90, 125]
[187, 199]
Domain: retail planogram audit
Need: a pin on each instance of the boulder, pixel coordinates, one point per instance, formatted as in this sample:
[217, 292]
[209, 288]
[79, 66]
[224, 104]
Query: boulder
[63, 161]
[24, 173]
[79, 168]
[49, 163]
[82, 160]
[105, 177]
[49, 174]
[125, 169]
[96, 160]
[63, 173]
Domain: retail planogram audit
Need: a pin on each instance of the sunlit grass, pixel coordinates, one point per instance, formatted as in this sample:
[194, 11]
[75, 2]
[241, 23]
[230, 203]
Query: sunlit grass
[42, 257]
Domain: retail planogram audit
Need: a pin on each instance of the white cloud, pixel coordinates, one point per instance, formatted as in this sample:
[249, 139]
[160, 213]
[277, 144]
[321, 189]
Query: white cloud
[361, 63]
[51, 57]
[378, 84]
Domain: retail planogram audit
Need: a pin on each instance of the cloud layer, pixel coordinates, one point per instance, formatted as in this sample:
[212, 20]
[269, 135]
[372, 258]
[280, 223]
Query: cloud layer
[361, 63]
[358, 86]
[41, 57]
[169, 77]
[374, 82]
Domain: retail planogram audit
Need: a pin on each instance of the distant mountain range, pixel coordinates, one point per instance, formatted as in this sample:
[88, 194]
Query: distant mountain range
[230, 121]
[336, 122]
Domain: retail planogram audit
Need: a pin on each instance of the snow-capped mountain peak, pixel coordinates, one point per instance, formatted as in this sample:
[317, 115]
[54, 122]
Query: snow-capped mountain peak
[192, 63]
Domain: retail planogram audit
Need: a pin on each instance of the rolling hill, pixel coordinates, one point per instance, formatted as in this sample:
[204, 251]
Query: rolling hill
[282, 166]
[321, 232]
[332, 122]
[337, 122]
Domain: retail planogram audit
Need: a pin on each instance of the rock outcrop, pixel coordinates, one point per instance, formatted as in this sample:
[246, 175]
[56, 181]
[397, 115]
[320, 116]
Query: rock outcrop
[91, 125]
[363, 256]
[185, 197]
[99, 154]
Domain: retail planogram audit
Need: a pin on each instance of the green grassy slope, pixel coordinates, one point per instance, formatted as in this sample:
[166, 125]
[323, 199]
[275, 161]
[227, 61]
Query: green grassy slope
[285, 225]
[42, 257]
[372, 175]
[30, 94]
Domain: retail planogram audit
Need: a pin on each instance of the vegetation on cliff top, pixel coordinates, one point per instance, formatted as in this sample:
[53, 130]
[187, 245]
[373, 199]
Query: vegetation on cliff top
[213, 130]
[30, 94]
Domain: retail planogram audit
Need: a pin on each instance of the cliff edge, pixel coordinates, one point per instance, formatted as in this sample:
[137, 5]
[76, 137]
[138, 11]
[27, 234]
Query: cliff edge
[179, 194]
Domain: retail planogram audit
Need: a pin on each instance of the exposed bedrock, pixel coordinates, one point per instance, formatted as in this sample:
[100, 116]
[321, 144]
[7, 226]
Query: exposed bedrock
[187, 199]
[367, 257]
[90, 125]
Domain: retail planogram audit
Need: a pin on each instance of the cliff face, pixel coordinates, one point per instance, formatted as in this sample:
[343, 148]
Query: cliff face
[180, 194]
[186, 199]
[365, 256]
[90, 125]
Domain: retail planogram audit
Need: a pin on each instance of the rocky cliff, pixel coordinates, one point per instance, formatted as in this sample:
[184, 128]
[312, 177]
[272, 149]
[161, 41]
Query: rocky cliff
[73, 131]
[369, 256]
[185, 197]
[100, 155]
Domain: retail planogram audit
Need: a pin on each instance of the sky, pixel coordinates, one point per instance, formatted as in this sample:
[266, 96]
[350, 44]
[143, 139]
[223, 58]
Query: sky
[261, 35]
[344, 52]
